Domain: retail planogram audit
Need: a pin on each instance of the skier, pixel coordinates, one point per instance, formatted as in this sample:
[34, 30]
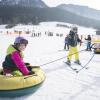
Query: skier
[72, 41]
[14, 64]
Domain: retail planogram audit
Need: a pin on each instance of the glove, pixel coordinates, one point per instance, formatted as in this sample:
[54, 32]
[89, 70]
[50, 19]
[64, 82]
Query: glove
[29, 68]
[27, 64]
[31, 72]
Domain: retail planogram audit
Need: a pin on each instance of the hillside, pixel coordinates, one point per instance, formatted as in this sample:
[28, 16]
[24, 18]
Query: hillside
[24, 3]
[16, 13]
[84, 11]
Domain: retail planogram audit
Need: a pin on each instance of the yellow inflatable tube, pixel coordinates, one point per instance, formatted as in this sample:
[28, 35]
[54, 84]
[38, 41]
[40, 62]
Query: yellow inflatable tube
[17, 83]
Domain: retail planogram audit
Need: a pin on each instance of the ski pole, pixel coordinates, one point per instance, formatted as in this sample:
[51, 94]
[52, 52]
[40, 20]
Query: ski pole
[86, 64]
[60, 58]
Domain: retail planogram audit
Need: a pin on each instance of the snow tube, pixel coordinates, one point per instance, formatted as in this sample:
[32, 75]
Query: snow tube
[14, 86]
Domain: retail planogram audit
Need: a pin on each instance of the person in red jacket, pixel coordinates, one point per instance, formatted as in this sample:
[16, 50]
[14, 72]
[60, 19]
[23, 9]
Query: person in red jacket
[14, 63]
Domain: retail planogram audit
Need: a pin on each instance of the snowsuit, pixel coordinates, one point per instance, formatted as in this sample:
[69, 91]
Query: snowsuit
[14, 62]
[72, 41]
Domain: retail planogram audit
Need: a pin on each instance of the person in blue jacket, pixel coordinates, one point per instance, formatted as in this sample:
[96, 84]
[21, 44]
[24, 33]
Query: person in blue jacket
[66, 43]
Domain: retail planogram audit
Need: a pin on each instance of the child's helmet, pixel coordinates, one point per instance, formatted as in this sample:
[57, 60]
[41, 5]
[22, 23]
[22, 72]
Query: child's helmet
[20, 40]
[74, 29]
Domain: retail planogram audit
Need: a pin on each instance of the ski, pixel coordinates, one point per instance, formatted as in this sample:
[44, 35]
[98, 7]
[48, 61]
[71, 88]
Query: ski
[74, 69]
[83, 66]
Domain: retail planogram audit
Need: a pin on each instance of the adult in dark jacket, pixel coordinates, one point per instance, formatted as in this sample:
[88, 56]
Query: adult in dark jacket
[88, 43]
[66, 43]
[73, 39]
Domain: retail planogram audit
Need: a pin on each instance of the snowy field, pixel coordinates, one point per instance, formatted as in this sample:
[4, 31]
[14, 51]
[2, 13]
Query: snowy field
[61, 82]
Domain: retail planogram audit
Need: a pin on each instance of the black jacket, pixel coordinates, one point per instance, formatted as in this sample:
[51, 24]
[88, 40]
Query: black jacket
[88, 39]
[9, 63]
[73, 39]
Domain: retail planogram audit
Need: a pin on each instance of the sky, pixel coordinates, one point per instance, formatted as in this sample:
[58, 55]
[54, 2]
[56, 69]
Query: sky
[90, 3]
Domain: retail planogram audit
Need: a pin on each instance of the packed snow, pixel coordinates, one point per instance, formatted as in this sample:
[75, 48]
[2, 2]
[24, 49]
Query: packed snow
[61, 82]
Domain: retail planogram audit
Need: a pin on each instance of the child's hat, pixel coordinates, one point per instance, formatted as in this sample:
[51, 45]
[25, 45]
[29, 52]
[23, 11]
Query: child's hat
[20, 40]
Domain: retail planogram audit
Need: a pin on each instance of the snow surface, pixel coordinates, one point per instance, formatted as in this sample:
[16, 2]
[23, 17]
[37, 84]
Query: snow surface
[61, 82]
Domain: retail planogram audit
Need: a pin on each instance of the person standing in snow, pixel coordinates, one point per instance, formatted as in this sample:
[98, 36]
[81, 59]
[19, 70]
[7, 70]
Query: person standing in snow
[73, 39]
[88, 43]
[66, 43]
[14, 63]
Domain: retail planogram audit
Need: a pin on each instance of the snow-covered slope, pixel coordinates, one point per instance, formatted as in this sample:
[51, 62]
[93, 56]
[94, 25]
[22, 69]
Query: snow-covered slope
[61, 82]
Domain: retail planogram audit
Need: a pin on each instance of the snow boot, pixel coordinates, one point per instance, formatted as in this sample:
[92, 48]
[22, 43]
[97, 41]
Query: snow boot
[77, 62]
[68, 62]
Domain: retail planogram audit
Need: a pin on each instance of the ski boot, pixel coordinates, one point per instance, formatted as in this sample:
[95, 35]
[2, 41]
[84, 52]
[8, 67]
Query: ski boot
[77, 62]
[68, 63]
